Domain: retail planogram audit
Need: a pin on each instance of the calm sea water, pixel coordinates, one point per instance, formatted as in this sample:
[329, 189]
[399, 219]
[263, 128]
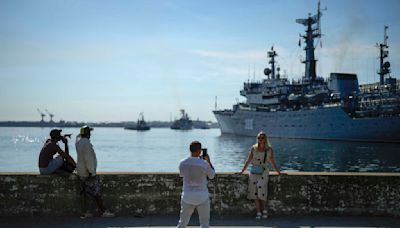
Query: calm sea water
[161, 149]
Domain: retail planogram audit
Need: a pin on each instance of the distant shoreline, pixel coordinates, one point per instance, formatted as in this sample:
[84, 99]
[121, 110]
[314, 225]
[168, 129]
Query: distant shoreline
[65, 124]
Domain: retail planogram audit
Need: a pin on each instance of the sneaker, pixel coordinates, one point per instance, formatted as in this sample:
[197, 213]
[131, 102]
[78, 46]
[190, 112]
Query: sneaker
[107, 214]
[258, 215]
[265, 214]
[86, 215]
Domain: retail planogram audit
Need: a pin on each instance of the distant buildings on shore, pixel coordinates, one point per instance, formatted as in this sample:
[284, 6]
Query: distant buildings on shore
[65, 124]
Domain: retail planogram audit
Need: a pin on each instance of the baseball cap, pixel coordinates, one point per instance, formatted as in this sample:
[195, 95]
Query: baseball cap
[83, 128]
[55, 133]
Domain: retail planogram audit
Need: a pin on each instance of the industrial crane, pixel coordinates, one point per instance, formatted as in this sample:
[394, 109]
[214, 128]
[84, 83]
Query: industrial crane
[42, 115]
[51, 116]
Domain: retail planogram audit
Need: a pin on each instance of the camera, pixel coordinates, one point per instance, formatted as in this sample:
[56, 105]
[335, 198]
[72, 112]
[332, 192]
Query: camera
[204, 152]
[67, 135]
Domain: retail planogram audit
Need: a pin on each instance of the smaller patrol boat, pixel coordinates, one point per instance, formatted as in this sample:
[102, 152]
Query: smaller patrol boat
[141, 124]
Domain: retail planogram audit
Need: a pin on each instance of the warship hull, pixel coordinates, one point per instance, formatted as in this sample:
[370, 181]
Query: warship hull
[325, 123]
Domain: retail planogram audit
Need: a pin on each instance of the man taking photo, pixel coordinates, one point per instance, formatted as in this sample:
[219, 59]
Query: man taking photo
[195, 170]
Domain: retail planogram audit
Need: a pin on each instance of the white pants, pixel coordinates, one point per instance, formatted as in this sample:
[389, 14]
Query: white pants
[187, 210]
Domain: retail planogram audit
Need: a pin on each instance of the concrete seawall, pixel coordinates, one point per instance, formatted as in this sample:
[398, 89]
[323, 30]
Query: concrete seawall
[302, 193]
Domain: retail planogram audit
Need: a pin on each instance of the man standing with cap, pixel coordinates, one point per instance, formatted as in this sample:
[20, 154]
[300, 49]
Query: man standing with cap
[47, 163]
[86, 169]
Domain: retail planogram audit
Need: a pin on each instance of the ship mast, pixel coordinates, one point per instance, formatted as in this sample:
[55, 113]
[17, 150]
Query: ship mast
[311, 34]
[272, 54]
[384, 53]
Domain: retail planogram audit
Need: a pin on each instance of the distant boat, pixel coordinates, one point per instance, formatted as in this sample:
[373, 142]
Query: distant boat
[200, 124]
[141, 124]
[184, 123]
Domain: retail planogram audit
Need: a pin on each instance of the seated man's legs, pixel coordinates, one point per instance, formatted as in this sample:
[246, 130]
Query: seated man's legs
[54, 164]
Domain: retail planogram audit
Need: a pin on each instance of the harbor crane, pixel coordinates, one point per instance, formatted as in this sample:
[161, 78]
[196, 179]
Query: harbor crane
[51, 116]
[41, 114]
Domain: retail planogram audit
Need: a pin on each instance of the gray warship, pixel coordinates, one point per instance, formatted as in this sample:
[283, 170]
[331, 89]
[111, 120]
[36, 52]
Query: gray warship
[337, 108]
[184, 123]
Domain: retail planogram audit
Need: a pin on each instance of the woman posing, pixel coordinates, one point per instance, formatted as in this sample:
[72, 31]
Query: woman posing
[260, 153]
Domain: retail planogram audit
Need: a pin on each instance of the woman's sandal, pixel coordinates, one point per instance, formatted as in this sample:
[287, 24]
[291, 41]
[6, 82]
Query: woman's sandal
[265, 214]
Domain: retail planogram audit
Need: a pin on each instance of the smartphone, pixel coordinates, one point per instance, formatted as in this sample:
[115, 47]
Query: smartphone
[204, 152]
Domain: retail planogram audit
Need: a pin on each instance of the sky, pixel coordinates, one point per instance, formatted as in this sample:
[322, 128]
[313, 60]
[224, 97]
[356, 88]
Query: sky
[86, 60]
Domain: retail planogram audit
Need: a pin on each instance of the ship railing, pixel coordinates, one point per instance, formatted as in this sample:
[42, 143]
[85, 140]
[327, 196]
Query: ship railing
[330, 105]
[252, 85]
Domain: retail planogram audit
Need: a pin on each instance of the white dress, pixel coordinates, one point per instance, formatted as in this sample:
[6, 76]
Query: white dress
[258, 183]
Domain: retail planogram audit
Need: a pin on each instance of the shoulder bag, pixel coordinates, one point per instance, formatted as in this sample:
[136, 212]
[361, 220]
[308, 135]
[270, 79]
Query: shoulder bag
[258, 169]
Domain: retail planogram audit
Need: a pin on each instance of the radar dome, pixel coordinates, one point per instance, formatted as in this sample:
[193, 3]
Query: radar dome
[267, 71]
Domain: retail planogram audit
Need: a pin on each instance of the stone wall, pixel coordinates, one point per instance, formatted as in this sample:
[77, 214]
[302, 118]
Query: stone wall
[300, 193]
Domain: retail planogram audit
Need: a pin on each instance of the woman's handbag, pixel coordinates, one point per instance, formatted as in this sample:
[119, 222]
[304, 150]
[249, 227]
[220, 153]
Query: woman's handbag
[258, 169]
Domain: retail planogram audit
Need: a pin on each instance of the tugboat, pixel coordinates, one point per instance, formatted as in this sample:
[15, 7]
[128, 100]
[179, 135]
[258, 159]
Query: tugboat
[313, 107]
[184, 123]
[141, 124]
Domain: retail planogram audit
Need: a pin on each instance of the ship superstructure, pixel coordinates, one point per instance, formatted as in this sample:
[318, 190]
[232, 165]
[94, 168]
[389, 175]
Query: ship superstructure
[183, 123]
[336, 108]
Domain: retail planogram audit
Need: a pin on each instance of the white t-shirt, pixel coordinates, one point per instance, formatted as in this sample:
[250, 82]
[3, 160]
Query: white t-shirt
[195, 171]
[87, 161]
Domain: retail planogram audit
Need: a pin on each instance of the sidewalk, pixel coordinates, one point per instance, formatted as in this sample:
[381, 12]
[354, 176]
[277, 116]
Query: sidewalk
[233, 221]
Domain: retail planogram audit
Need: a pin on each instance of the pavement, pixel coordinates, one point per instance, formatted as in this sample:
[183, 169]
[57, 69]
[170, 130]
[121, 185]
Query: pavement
[216, 221]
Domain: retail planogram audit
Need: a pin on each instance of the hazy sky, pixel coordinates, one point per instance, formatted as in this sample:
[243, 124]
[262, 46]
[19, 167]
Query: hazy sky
[108, 60]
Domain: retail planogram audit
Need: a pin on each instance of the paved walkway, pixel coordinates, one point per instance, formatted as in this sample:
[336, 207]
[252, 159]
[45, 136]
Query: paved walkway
[234, 221]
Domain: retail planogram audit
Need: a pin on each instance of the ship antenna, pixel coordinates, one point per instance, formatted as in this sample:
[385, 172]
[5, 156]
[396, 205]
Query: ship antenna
[319, 15]
[384, 67]
[216, 106]
[385, 38]
[318, 28]
[248, 71]
[254, 72]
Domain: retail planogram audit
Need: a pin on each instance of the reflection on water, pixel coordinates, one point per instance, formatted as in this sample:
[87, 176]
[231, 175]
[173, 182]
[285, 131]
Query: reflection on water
[232, 151]
[162, 149]
[320, 155]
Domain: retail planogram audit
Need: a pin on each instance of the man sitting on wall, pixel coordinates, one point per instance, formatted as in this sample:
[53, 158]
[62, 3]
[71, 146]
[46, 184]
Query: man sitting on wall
[47, 163]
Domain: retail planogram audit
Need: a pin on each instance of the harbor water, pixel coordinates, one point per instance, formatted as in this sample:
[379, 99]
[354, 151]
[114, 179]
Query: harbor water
[161, 149]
